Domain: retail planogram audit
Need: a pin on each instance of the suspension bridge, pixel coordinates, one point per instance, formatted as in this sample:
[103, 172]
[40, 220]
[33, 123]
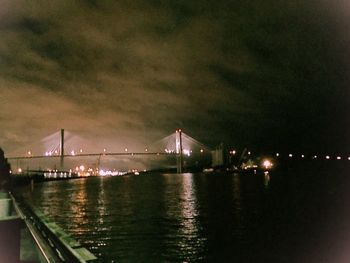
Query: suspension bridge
[61, 150]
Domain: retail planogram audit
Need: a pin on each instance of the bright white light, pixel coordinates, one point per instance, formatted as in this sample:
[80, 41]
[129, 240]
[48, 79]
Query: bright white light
[302, 156]
[290, 155]
[267, 164]
[202, 151]
[187, 152]
[72, 152]
[104, 150]
[110, 173]
[349, 158]
[81, 150]
[82, 168]
[168, 151]
[126, 149]
[146, 150]
[233, 152]
[249, 153]
[29, 152]
[277, 154]
[328, 157]
[315, 157]
[19, 170]
[338, 158]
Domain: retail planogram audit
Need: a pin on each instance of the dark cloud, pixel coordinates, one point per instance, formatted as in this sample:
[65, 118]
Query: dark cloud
[269, 75]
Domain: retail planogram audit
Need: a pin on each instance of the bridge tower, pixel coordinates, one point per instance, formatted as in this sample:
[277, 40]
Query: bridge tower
[62, 150]
[178, 145]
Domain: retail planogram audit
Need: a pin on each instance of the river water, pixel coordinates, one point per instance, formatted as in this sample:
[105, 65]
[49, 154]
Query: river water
[294, 214]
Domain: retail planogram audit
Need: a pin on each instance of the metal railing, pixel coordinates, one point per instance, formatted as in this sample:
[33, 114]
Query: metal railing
[55, 244]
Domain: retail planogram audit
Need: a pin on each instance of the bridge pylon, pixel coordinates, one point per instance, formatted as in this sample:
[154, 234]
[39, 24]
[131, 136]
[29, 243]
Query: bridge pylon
[62, 150]
[179, 151]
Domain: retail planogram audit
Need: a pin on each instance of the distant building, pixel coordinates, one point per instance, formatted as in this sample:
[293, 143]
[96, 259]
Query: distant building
[218, 156]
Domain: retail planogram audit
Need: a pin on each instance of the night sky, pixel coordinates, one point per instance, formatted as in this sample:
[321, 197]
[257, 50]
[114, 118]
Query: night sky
[270, 75]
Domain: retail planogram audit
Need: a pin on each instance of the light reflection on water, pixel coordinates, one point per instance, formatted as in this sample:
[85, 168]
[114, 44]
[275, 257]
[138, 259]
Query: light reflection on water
[184, 218]
[188, 206]
[136, 218]
[266, 179]
[78, 207]
[189, 220]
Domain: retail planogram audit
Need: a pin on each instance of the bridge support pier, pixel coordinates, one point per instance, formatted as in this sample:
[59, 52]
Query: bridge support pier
[62, 150]
[179, 161]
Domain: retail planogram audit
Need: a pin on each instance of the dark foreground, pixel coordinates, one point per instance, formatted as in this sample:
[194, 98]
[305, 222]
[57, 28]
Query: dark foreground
[297, 213]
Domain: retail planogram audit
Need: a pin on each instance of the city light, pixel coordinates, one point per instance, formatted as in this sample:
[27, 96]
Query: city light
[169, 151]
[290, 155]
[187, 152]
[338, 158]
[267, 164]
[302, 156]
[328, 157]
[277, 154]
[110, 173]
